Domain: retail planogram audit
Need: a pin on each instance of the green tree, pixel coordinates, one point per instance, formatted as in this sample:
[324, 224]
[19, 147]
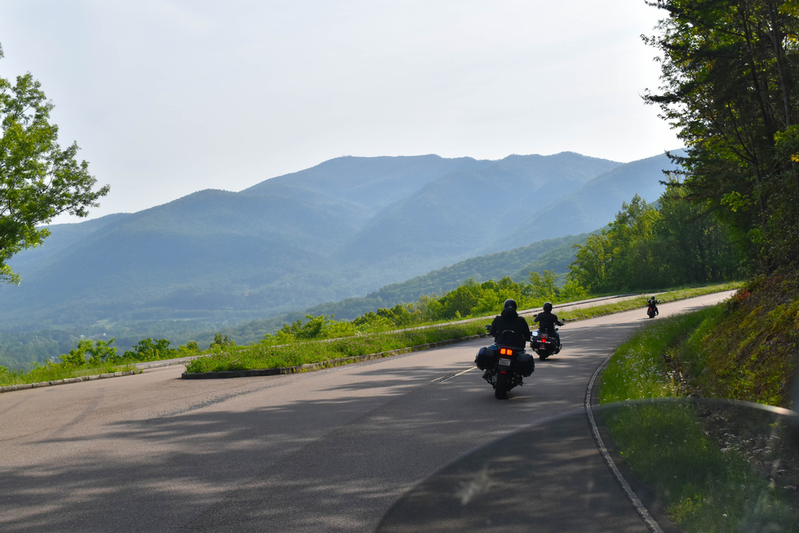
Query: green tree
[459, 302]
[729, 72]
[592, 262]
[188, 349]
[311, 329]
[150, 350]
[689, 244]
[573, 291]
[372, 322]
[646, 248]
[493, 296]
[38, 180]
[91, 353]
[631, 241]
[399, 315]
[621, 256]
[543, 287]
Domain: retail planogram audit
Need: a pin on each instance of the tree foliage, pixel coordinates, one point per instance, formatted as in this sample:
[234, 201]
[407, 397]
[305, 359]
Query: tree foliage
[729, 72]
[150, 350]
[470, 299]
[38, 179]
[91, 353]
[646, 248]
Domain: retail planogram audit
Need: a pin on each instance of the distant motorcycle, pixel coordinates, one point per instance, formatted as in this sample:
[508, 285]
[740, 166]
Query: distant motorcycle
[544, 344]
[652, 309]
[504, 365]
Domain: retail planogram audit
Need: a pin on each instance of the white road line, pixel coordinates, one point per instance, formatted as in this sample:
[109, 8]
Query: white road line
[448, 377]
[639, 507]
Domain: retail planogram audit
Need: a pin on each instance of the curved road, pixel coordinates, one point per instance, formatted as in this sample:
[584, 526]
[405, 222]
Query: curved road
[322, 451]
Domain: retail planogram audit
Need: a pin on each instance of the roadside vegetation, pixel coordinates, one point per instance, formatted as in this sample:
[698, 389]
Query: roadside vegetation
[56, 372]
[323, 338]
[667, 244]
[709, 465]
[264, 356]
[744, 349]
[729, 87]
[92, 357]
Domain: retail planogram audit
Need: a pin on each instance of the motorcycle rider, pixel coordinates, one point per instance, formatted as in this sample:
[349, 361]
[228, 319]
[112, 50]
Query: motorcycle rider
[547, 321]
[653, 304]
[509, 319]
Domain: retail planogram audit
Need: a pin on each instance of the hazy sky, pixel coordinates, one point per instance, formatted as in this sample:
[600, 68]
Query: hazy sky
[169, 97]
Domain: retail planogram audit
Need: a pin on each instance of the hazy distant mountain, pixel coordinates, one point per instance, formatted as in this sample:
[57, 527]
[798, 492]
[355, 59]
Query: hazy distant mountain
[550, 254]
[462, 210]
[63, 236]
[553, 254]
[589, 207]
[341, 229]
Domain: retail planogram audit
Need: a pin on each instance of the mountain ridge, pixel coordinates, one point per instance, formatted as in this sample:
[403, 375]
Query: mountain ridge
[344, 228]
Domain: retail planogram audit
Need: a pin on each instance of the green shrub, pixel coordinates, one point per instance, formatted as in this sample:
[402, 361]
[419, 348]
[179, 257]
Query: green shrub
[91, 353]
[150, 350]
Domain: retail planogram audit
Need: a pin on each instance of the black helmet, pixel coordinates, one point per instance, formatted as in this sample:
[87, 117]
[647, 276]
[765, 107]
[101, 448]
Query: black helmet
[547, 307]
[510, 302]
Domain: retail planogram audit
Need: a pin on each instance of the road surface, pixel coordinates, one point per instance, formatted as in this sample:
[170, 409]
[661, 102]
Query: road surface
[323, 451]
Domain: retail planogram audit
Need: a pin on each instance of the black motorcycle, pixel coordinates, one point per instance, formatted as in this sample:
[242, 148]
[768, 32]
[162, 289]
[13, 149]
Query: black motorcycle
[651, 309]
[504, 365]
[544, 344]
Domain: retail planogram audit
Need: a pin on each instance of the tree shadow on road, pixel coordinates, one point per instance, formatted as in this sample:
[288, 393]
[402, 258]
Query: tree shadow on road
[330, 463]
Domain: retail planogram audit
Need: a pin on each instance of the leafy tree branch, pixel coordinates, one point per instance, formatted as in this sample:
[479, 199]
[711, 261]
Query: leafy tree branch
[38, 179]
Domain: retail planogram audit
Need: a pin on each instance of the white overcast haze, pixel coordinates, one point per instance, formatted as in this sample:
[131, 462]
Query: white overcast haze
[169, 97]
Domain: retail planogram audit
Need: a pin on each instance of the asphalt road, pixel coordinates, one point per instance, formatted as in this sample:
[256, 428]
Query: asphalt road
[324, 451]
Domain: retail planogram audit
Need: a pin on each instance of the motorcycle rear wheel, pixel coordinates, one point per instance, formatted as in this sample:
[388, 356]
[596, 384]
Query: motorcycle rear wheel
[501, 388]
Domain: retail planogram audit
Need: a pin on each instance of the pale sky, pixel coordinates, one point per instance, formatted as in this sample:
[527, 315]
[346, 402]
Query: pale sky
[169, 97]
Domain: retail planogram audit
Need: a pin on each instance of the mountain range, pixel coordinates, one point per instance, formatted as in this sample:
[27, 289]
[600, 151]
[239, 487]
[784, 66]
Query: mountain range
[342, 229]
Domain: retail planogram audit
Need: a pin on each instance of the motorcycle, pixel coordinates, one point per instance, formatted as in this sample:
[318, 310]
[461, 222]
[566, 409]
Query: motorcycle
[651, 309]
[504, 366]
[544, 344]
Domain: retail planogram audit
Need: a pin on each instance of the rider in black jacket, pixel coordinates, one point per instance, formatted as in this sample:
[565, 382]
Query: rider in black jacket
[509, 319]
[547, 322]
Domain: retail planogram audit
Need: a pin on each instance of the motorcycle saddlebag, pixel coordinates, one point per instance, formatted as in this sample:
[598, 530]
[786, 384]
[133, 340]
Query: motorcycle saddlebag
[486, 357]
[525, 365]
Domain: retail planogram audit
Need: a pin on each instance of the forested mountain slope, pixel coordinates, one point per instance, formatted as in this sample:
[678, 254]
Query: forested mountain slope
[554, 212]
[550, 254]
[338, 230]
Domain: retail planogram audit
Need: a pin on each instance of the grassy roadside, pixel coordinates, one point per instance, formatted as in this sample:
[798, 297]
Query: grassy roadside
[47, 373]
[639, 368]
[704, 465]
[258, 357]
[703, 481]
[300, 353]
